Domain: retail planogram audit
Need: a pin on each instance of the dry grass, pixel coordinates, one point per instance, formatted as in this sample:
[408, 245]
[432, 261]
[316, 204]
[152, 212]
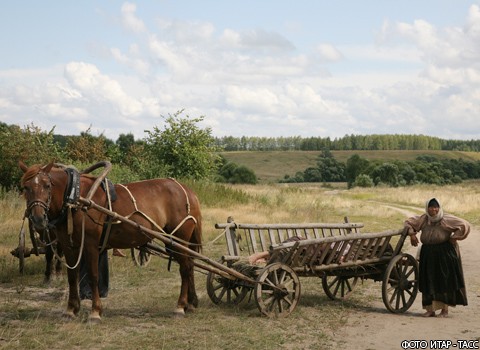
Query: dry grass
[138, 308]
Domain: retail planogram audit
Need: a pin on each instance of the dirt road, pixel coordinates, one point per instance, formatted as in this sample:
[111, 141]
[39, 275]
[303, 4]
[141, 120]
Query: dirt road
[376, 328]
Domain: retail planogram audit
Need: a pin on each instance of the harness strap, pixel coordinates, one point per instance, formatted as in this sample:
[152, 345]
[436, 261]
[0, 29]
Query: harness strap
[186, 195]
[109, 224]
[71, 196]
[160, 229]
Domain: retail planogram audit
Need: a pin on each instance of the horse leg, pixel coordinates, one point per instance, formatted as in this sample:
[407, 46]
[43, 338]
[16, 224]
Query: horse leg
[91, 259]
[186, 273]
[48, 262]
[192, 294]
[73, 306]
[58, 261]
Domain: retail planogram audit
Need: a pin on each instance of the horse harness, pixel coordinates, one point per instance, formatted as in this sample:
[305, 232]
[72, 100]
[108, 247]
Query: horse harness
[109, 223]
[70, 198]
[70, 205]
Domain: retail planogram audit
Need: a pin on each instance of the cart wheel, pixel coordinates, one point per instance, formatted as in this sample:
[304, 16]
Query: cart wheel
[223, 290]
[277, 290]
[400, 283]
[21, 250]
[140, 256]
[338, 287]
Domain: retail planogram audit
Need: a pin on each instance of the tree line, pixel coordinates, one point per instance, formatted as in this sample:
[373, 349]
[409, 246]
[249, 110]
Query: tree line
[359, 171]
[182, 149]
[346, 143]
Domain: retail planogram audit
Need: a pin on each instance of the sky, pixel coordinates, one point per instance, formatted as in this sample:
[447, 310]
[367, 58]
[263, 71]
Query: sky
[266, 68]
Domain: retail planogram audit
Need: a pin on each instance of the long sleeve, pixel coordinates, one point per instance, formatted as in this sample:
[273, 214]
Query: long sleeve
[416, 222]
[459, 227]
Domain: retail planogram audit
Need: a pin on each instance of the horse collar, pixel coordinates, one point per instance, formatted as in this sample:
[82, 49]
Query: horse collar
[72, 193]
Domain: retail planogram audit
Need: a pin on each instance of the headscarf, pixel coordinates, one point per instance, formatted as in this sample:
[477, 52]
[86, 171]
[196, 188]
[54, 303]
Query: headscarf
[439, 215]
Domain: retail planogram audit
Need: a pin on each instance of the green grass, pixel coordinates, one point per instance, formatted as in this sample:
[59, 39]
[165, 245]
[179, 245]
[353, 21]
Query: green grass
[271, 166]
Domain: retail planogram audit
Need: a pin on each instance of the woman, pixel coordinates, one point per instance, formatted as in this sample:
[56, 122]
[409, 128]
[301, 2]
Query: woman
[441, 277]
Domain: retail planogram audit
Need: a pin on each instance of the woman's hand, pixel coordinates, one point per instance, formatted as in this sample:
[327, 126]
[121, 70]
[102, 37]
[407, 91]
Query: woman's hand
[414, 240]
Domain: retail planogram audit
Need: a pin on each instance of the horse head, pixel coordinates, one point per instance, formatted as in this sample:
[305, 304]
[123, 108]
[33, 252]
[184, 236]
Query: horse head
[38, 189]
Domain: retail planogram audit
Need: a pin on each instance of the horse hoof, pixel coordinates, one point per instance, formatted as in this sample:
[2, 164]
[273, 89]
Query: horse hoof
[179, 313]
[94, 319]
[190, 308]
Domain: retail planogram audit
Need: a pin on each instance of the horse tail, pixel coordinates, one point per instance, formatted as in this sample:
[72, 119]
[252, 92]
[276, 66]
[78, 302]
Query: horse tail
[197, 236]
[193, 205]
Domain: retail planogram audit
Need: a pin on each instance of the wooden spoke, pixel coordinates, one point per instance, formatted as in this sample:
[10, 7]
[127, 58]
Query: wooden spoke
[222, 290]
[400, 283]
[277, 290]
[338, 287]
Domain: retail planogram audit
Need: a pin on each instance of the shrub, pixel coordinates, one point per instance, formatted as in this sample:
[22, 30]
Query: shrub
[363, 180]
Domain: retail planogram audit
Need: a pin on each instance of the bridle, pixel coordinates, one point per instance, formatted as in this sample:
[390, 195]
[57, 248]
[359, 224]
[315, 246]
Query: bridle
[71, 196]
[38, 202]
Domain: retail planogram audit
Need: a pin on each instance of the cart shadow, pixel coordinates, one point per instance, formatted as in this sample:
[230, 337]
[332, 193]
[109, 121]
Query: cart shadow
[310, 300]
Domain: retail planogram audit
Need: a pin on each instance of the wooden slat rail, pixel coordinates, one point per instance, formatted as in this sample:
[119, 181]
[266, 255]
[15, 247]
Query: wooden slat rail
[337, 251]
[245, 239]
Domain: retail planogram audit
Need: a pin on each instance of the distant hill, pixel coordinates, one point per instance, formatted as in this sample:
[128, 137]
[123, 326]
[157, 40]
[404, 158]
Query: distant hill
[271, 166]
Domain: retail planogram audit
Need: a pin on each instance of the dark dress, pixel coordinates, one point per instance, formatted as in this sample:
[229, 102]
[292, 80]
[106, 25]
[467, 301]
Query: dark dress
[103, 277]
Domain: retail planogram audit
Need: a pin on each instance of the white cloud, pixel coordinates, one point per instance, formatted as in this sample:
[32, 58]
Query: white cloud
[96, 86]
[130, 20]
[186, 32]
[252, 100]
[329, 53]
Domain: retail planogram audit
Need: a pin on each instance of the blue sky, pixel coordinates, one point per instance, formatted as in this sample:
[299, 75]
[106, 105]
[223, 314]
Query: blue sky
[254, 68]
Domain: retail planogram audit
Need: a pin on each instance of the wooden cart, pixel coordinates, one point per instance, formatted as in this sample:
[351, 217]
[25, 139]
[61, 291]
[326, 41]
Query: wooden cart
[337, 253]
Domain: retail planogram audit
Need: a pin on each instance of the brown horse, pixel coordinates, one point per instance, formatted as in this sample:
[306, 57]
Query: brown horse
[162, 205]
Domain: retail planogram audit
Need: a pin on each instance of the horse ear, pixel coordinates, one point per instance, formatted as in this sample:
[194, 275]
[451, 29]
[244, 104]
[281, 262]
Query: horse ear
[22, 166]
[46, 168]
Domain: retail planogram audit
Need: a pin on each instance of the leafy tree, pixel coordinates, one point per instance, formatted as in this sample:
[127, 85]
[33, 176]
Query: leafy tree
[87, 148]
[312, 175]
[243, 175]
[408, 175]
[356, 165]
[233, 173]
[186, 150]
[125, 142]
[331, 169]
[226, 171]
[30, 144]
[386, 173]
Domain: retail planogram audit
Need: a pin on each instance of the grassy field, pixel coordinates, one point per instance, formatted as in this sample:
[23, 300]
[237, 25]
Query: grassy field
[273, 166]
[138, 310]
